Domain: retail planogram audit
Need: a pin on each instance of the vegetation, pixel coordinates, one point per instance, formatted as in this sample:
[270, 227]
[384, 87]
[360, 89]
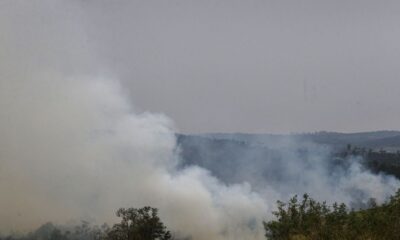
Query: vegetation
[136, 224]
[378, 161]
[311, 220]
[304, 219]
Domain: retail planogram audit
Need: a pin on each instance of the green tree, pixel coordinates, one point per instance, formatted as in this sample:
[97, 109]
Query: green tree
[311, 220]
[138, 224]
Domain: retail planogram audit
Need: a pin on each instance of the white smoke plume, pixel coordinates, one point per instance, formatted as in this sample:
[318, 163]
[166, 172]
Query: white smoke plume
[72, 147]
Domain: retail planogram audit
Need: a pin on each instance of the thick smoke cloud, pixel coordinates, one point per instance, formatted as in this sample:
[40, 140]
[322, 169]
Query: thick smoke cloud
[278, 167]
[72, 147]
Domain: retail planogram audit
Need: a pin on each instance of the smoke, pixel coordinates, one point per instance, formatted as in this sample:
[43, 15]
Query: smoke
[72, 147]
[279, 167]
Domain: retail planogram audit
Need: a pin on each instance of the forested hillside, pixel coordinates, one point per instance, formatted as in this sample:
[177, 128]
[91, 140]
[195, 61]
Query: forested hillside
[228, 155]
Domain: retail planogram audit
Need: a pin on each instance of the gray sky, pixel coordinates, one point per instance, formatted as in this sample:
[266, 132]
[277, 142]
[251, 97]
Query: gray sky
[250, 66]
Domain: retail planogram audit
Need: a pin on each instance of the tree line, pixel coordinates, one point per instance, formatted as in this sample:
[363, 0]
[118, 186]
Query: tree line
[297, 219]
[307, 219]
[377, 161]
[136, 224]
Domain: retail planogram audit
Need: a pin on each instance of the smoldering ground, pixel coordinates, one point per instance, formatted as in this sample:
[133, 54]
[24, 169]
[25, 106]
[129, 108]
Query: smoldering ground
[73, 147]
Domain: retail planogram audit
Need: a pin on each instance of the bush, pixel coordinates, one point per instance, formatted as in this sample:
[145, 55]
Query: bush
[311, 220]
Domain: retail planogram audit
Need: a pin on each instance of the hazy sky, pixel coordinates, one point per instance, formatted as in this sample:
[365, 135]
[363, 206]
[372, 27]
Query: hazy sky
[246, 66]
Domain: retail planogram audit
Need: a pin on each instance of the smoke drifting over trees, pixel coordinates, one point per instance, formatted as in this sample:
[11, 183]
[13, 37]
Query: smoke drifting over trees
[72, 147]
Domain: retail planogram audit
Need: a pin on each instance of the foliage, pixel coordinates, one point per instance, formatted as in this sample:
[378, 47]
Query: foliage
[49, 231]
[377, 161]
[311, 220]
[138, 224]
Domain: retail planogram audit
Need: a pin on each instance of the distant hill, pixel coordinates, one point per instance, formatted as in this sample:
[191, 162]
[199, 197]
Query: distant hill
[256, 158]
[386, 140]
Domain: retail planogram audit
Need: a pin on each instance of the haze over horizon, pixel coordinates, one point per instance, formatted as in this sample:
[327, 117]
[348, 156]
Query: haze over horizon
[92, 94]
[255, 66]
[229, 66]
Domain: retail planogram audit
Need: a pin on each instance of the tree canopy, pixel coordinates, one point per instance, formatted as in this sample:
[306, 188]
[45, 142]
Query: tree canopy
[311, 220]
[138, 224]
